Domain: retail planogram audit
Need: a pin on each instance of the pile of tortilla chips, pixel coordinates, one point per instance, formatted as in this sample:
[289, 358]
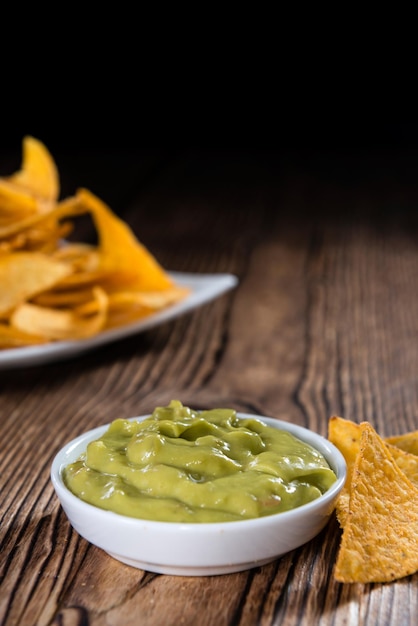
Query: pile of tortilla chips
[50, 290]
[378, 507]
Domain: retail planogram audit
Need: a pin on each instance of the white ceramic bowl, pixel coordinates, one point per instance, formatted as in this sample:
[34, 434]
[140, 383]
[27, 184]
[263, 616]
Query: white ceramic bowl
[199, 549]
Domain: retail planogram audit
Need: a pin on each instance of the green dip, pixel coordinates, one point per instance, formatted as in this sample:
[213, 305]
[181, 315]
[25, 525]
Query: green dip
[182, 465]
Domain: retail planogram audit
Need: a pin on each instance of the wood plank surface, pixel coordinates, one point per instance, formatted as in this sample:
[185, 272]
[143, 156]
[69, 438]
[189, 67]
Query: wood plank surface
[324, 321]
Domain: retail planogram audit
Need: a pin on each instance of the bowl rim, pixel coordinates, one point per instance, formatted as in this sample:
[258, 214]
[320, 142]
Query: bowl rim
[73, 448]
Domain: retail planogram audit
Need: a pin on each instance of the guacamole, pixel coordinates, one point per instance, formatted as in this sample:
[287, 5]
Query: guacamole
[183, 465]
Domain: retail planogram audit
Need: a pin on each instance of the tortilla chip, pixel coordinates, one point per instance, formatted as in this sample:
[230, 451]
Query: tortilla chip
[14, 338]
[62, 324]
[346, 435]
[38, 174]
[63, 210]
[406, 462]
[126, 261]
[32, 190]
[407, 442]
[380, 539]
[53, 290]
[15, 203]
[64, 299]
[24, 274]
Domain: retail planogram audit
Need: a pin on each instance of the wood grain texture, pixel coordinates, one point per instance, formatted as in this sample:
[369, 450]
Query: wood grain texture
[324, 321]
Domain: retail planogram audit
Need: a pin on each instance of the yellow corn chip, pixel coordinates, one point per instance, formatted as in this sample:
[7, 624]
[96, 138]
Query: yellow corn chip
[380, 538]
[65, 209]
[406, 462]
[53, 290]
[24, 274]
[15, 203]
[64, 299]
[32, 190]
[14, 338]
[61, 324]
[38, 174]
[407, 442]
[345, 435]
[123, 257]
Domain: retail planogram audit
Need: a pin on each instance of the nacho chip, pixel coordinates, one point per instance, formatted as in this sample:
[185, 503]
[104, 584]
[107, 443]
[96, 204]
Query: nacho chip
[40, 221]
[64, 299]
[45, 239]
[62, 324]
[14, 338]
[126, 307]
[346, 435]
[153, 300]
[24, 274]
[38, 174]
[15, 203]
[380, 538]
[406, 462]
[33, 189]
[125, 260]
[407, 442]
[51, 289]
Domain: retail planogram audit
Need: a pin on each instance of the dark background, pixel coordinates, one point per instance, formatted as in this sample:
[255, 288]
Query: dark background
[216, 131]
[104, 147]
[136, 131]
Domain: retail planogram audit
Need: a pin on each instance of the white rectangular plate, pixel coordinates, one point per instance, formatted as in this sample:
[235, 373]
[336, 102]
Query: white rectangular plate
[204, 287]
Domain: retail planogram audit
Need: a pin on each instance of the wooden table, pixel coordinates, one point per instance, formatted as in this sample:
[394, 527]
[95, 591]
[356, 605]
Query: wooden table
[324, 321]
